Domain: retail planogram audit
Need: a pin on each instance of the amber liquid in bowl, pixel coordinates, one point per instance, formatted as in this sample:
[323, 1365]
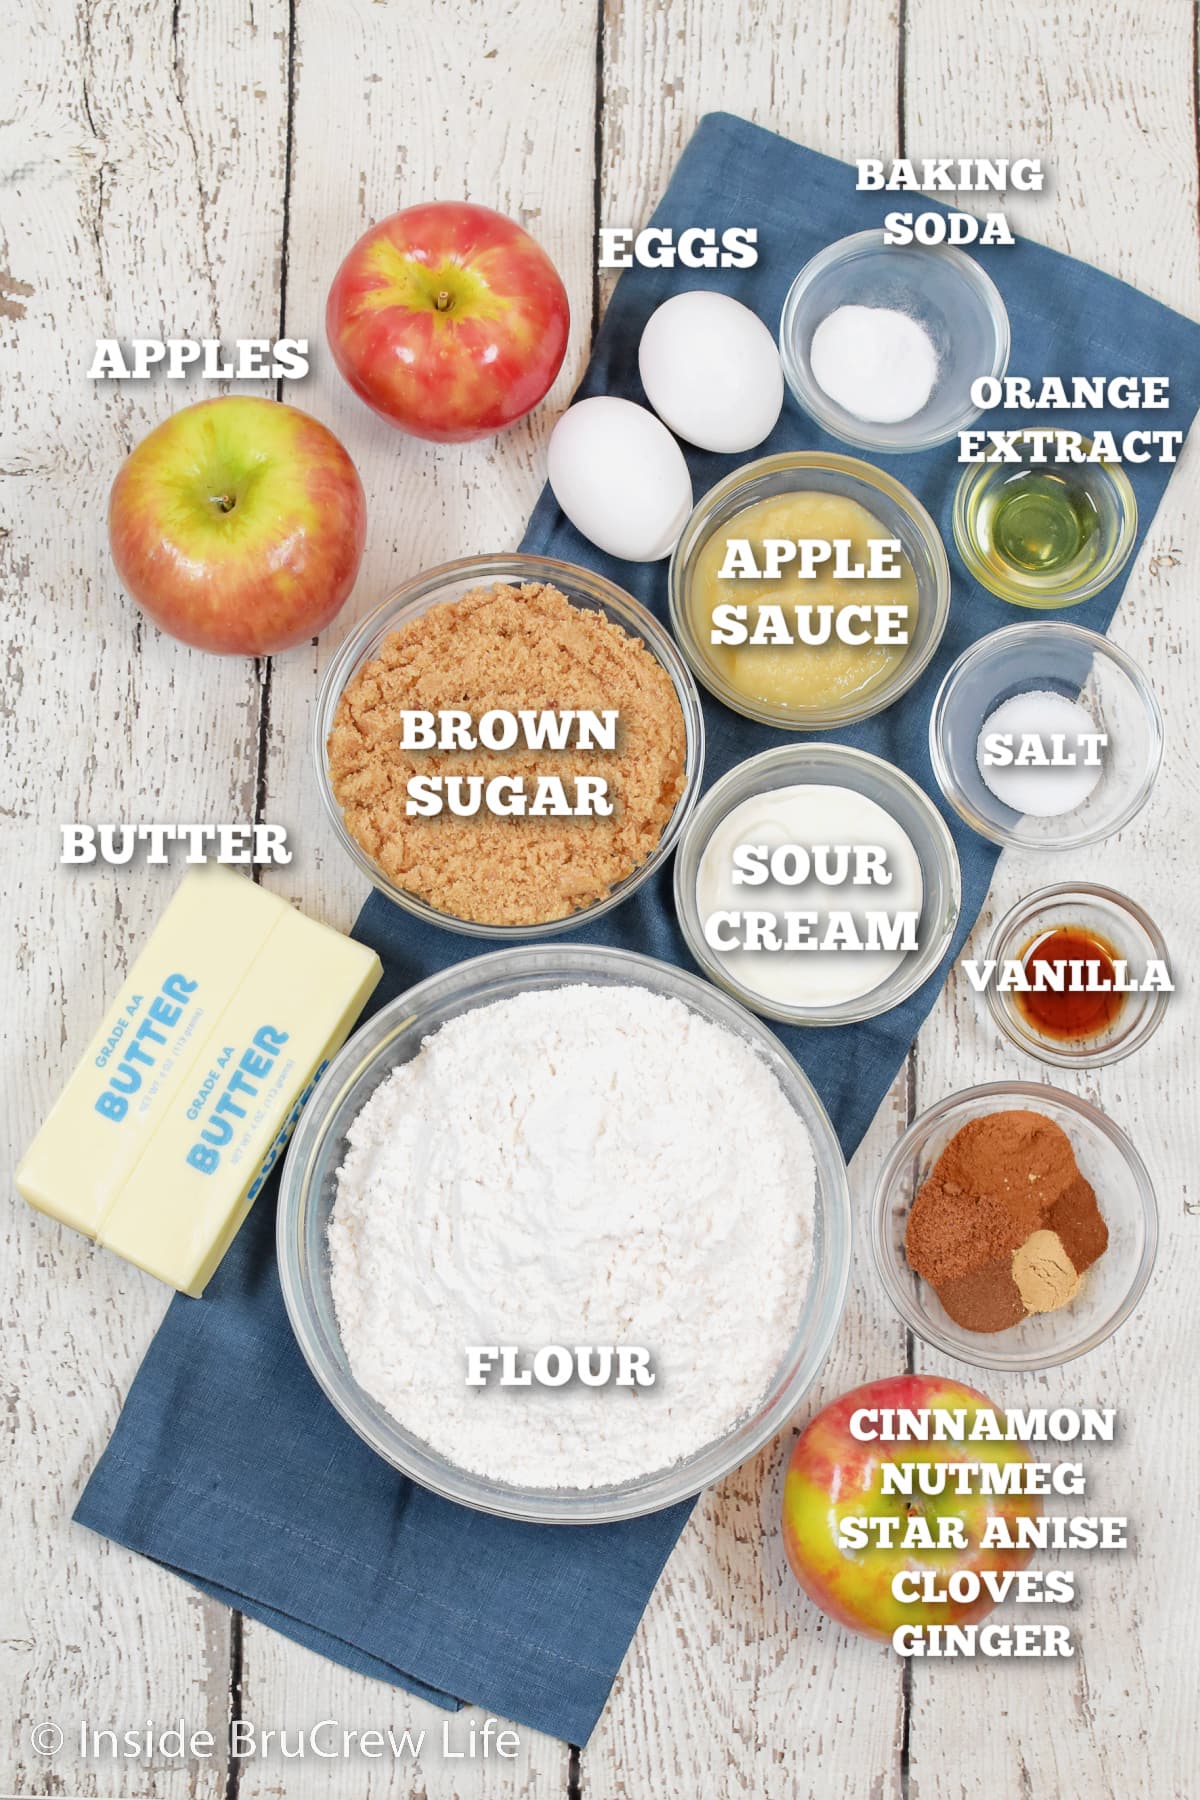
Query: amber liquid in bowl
[1071, 1017]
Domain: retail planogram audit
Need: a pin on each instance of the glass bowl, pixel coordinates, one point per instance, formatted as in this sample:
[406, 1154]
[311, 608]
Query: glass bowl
[1063, 659]
[833, 765]
[1111, 1287]
[944, 289]
[450, 581]
[308, 1189]
[1113, 503]
[1119, 923]
[802, 471]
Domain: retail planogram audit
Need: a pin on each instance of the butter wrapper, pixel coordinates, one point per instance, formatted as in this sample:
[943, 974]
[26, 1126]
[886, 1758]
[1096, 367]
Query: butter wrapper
[186, 1095]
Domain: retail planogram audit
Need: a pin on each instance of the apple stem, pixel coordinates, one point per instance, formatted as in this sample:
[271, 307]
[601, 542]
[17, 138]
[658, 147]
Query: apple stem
[226, 502]
[443, 301]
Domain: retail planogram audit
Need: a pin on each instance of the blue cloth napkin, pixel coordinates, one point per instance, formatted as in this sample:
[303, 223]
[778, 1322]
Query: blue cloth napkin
[227, 1464]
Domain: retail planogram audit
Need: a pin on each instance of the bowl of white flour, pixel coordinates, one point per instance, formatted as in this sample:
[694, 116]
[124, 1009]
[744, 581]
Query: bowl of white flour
[564, 1234]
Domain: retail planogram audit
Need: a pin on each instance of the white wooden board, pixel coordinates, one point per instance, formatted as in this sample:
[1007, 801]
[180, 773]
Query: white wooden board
[149, 160]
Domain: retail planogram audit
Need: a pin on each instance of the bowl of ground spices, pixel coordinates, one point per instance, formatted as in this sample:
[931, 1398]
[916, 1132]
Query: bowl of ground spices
[1014, 1226]
[509, 745]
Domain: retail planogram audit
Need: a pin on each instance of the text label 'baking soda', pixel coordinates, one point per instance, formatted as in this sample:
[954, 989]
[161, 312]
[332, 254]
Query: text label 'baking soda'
[970, 174]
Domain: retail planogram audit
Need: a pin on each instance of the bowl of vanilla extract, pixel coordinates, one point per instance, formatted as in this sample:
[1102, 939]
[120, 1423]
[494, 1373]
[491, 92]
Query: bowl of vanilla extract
[1080, 976]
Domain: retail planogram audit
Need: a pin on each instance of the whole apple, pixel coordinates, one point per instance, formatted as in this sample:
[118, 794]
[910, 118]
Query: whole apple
[449, 320]
[238, 525]
[833, 1475]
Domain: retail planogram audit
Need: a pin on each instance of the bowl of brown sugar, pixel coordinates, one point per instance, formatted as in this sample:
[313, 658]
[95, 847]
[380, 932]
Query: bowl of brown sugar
[1014, 1226]
[509, 745]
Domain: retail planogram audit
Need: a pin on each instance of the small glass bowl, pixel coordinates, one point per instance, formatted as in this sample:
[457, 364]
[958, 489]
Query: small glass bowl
[1112, 1286]
[450, 581]
[901, 515]
[393, 1036]
[941, 287]
[832, 765]
[1118, 922]
[1063, 659]
[1115, 504]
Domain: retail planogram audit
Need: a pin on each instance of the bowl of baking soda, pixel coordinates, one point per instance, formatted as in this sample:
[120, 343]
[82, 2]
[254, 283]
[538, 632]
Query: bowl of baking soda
[882, 343]
[564, 1234]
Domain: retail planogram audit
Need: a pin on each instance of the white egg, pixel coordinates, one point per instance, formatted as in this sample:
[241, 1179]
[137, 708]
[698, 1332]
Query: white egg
[620, 477]
[711, 369]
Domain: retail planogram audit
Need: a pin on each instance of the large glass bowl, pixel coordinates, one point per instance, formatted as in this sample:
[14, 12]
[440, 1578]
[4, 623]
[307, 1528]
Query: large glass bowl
[450, 581]
[309, 1185]
[821, 471]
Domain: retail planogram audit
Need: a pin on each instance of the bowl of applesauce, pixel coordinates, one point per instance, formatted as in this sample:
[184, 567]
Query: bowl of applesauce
[809, 590]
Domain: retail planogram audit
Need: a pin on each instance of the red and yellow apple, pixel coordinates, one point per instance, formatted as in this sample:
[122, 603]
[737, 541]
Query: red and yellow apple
[834, 1475]
[449, 320]
[238, 525]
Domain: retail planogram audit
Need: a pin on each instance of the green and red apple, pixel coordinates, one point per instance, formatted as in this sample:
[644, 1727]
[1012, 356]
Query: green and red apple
[238, 525]
[449, 320]
[834, 1475]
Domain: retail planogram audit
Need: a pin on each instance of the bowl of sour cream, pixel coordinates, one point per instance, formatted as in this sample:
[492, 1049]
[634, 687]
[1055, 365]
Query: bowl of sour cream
[817, 884]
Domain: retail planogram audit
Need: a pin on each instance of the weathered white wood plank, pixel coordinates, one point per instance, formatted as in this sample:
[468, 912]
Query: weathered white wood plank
[145, 191]
[1103, 94]
[495, 108]
[396, 105]
[138, 197]
[291, 1688]
[735, 1684]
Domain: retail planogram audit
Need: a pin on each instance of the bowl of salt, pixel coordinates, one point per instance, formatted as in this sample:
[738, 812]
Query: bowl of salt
[1045, 736]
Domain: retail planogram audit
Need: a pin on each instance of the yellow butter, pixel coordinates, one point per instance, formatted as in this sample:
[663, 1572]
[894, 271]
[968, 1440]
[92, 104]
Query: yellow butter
[161, 1159]
[178, 1212]
[142, 1054]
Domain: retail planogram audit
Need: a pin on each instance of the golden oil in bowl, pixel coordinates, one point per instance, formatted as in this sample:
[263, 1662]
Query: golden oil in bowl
[1044, 534]
[1039, 522]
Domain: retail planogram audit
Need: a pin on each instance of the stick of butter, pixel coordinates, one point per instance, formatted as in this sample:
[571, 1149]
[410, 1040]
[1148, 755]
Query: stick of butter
[187, 1093]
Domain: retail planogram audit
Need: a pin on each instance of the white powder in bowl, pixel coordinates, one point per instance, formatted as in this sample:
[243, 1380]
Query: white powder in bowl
[586, 1165]
[877, 362]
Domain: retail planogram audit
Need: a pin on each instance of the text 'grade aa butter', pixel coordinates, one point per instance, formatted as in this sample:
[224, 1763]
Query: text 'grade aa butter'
[187, 1093]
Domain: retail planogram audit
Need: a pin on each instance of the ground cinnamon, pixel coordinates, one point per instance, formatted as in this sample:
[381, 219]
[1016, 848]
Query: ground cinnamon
[1002, 1181]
